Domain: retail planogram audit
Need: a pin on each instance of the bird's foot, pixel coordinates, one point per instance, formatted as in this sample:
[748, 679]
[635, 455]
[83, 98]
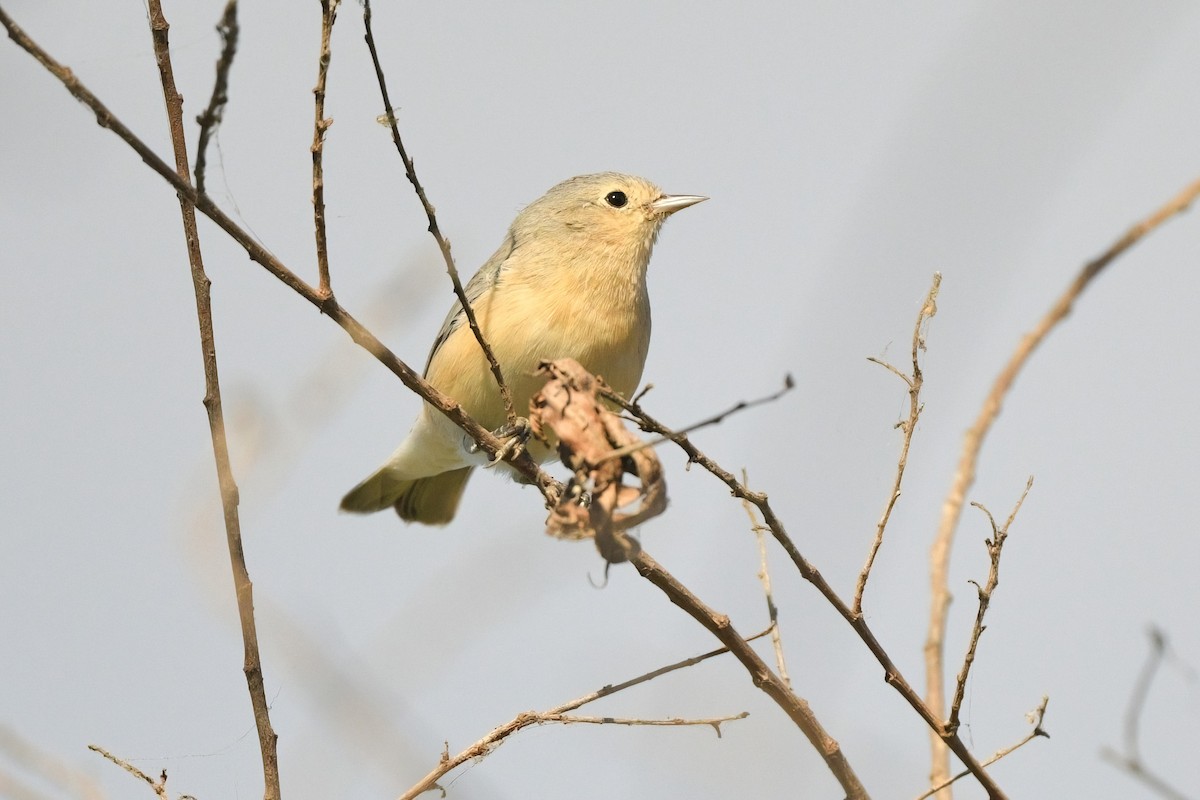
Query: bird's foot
[515, 436]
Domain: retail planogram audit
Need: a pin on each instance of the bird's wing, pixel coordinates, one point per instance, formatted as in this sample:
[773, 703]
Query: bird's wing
[479, 285]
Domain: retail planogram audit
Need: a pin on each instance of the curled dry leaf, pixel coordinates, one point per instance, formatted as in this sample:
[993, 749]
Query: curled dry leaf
[569, 410]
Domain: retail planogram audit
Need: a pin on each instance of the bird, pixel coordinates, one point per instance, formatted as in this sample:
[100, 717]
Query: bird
[568, 281]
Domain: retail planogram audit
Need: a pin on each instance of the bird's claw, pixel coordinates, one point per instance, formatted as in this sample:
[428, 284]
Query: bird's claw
[515, 435]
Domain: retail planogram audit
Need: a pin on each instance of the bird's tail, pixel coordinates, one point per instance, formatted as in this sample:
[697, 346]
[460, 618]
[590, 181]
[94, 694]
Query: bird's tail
[431, 501]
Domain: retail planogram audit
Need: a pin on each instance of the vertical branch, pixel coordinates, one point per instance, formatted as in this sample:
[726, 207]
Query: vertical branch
[964, 477]
[764, 576]
[995, 546]
[211, 118]
[329, 9]
[252, 664]
[443, 244]
[914, 383]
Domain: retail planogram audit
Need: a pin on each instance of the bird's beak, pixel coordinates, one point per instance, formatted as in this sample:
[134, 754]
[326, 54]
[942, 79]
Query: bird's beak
[670, 203]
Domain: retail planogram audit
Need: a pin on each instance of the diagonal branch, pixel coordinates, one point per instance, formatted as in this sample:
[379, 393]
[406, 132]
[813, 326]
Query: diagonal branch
[810, 573]
[964, 477]
[1035, 717]
[793, 705]
[252, 664]
[159, 786]
[521, 461]
[915, 382]
[443, 244]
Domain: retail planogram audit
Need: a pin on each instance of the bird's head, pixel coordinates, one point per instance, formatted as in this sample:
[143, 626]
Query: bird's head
[607, 210]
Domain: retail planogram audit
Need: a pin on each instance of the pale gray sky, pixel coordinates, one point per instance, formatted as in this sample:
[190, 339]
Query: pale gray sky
[850, 151]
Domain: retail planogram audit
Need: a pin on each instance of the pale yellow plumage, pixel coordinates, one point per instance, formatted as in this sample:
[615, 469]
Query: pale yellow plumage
[568, 281]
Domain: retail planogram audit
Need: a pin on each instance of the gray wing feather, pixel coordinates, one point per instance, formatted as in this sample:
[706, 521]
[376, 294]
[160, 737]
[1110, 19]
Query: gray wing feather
[481, 282]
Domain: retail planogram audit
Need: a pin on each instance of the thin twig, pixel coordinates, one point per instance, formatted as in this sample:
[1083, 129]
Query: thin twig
[995, 547]
[252, 664]
[159, 786]
[764, 577]
[519, 459]
[329, 9]
[891, 673]
[915, 382]
[793, 705]
[490, 742]
[715, 419]
[443, 243]
[964, 476]
[715, 722]
[1131, 760]
[1036, 716]
[570, 406]
[211, 118]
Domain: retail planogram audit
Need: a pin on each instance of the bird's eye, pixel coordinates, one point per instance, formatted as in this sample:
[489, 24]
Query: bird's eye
[616, 199]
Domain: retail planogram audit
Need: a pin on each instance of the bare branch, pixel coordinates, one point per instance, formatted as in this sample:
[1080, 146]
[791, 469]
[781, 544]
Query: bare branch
[211, 117]
[788, 385]
[1131, 760]
[915, 382]
[159, 786]
[1036, 716]
[810, 573]
[715, 722]
[764, 577]
[443, 243]
[995, 546]
[964, 476]
[793, 705]
[329, 9]
[244, 590]
[587, 432]
[520, 461]
[489, 743]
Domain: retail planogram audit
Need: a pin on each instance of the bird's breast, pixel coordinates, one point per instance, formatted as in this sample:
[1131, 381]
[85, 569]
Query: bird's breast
[602, 321]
